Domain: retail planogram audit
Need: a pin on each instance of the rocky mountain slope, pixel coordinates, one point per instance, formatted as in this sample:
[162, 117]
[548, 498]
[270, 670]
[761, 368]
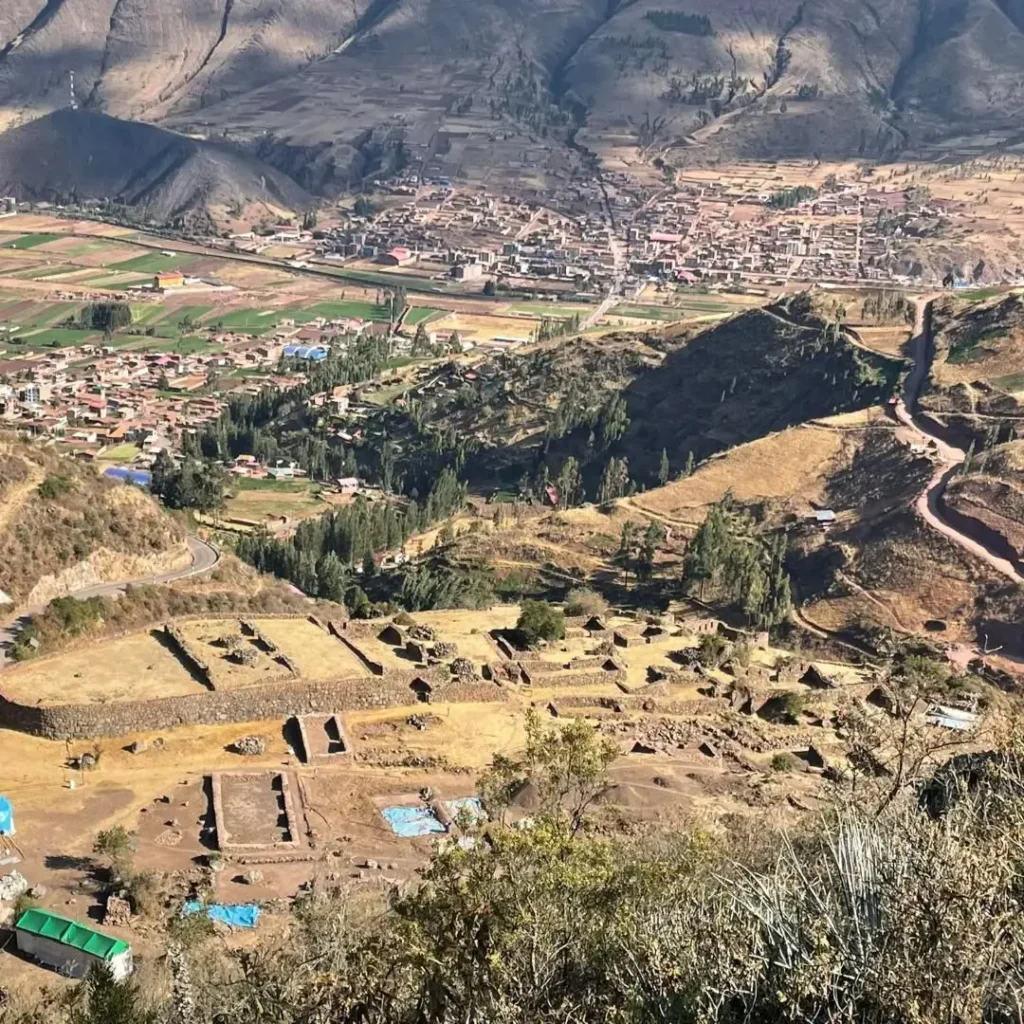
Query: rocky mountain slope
[165, 176]
[329, 86]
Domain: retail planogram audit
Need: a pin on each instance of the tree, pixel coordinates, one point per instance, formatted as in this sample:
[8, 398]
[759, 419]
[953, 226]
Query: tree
[613, 421]
[663, 468]
[567, 765]
[102, 1000]
[889, 742]
[653, 538]
[570, 483]
[309, 220]
[627, 546]
[688, 470]
[332, 579]
[539, 621]
[420, 341]
[584, 601]
[614, 481]
[489, 287]
[117, 846]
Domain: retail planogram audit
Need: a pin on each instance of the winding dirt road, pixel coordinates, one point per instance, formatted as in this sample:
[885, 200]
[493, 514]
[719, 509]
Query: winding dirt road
[929, 504]
[204, 557]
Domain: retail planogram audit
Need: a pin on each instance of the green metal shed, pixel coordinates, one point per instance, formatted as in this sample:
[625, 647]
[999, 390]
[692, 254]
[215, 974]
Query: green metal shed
[69, 946]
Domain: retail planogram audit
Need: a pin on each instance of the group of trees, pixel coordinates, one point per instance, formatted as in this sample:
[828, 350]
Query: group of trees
[321, 556]
[194, 483]
[107, 317]
[681, 21]
[638, 549]
[787, 198]
[731, 557]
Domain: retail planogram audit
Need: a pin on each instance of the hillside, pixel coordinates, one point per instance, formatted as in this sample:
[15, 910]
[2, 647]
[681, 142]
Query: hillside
[756, 373]
[325, 91]
[163, 175]
[63, 527]
[972, 393]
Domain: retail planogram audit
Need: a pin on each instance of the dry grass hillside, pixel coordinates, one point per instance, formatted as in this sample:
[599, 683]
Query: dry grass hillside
[753, 375]
[62, 526]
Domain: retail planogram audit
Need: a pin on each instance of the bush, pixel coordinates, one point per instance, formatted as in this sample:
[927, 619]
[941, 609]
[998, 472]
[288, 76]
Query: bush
[584, 601]
[783, 762]
[712, 651]
[54, 487]
[539, 621]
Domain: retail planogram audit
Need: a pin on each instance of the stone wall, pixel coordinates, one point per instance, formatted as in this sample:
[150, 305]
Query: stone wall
[248, 704]
[348, 638]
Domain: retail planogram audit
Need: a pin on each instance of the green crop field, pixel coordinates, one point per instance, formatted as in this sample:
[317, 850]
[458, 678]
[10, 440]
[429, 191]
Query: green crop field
[58, 337]
[647, 312]
[248, 321]
[177, 315]
[340, 310]
[120, 453]
[421, 314]
[150, 263]
[31, 241]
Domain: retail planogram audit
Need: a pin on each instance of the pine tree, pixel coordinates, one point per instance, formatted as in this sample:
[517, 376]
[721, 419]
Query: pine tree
[688, 470]
[663, 469]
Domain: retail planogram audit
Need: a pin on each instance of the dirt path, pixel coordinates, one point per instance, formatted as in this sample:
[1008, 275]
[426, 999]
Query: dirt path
[929, 503]
[204, 557]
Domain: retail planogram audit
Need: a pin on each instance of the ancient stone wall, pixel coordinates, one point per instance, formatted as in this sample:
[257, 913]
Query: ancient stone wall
[248, 704]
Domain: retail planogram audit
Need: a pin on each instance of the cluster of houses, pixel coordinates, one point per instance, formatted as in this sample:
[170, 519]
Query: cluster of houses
[710, 231]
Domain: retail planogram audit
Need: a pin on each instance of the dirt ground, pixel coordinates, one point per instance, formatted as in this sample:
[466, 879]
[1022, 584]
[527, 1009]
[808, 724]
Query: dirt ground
[134, 668]
[316, 654]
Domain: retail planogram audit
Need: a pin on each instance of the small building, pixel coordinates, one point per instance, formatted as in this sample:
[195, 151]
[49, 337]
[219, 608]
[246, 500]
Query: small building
[348, 484]
[169, 279]
[824, 517]
[70, 947]
[467, 271]
[397, 257]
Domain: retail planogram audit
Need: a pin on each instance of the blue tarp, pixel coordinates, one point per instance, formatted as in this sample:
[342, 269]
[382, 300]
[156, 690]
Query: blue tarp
[409, 822]
[239, 915]
[465, 805]
[139, 477]
[6, 817]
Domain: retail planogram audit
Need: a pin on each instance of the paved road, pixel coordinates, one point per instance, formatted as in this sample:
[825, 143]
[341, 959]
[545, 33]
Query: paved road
[204, 557]
[929, 504]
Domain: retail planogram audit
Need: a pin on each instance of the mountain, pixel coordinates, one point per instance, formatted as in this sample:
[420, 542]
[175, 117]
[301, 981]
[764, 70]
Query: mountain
[166, 176]
[329, 92]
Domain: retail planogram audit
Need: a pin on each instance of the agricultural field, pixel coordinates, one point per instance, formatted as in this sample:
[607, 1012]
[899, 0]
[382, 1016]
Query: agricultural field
[29, 241]
[258, 501]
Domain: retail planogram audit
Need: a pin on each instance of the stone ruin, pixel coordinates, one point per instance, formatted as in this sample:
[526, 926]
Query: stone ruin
[250, 746]
[463, 668]
[445, 649]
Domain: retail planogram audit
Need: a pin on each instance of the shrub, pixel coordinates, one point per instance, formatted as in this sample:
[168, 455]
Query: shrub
[539, 621]
[54, 487]
[584, 601]
[783, 762]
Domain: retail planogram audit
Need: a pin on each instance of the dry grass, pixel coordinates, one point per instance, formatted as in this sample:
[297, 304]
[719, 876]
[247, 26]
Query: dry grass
[136, 667]
[792, 465]
[316, 654]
